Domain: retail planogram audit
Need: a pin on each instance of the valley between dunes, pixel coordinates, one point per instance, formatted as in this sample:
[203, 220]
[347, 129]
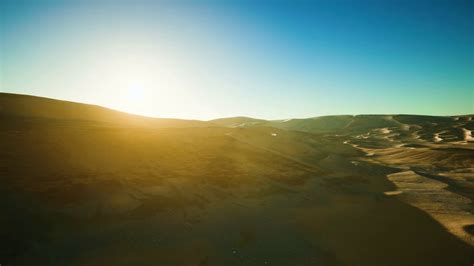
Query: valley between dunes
[86, 185]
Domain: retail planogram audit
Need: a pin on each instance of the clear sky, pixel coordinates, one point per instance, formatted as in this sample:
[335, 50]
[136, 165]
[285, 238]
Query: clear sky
[265, 59]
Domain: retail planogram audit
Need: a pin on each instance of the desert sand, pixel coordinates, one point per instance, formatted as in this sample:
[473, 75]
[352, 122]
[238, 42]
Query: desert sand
[85, 185]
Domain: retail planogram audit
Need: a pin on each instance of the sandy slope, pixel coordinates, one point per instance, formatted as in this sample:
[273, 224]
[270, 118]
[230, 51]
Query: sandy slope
[452, 210]
[89, 187]
[435, 163]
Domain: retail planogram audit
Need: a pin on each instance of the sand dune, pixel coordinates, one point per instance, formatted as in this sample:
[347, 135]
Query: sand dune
[85, 185]
[468, 135]
[24, 106]
[450, 209]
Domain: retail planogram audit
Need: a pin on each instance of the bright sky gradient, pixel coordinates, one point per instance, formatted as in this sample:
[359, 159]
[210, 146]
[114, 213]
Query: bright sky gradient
[265, 59]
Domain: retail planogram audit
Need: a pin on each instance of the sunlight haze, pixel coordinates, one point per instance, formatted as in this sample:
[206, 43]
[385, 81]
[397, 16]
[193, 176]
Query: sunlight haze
[206, 59]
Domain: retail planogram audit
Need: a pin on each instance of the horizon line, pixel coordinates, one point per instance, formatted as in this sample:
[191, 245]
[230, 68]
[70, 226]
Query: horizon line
[227, 117]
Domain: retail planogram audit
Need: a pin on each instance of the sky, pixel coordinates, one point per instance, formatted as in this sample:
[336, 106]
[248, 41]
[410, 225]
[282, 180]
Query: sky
[265, 59]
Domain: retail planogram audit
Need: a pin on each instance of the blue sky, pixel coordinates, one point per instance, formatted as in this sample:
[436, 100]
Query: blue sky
[266, 59]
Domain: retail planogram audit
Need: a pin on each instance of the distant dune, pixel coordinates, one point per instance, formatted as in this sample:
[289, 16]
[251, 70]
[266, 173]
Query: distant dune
[25, 106]
[85, 185]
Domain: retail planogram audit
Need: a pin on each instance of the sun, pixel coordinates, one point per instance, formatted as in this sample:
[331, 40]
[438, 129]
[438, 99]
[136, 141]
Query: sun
[143, 82]
[135, 95]
[135, 98]
[132, 85]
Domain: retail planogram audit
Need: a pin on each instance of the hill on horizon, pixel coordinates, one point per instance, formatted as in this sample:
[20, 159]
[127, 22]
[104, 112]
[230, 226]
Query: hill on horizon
[19, 105]
[43, 107]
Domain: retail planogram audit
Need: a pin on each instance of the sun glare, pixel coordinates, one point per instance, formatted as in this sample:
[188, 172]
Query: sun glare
[143, 81]
[132, 79]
